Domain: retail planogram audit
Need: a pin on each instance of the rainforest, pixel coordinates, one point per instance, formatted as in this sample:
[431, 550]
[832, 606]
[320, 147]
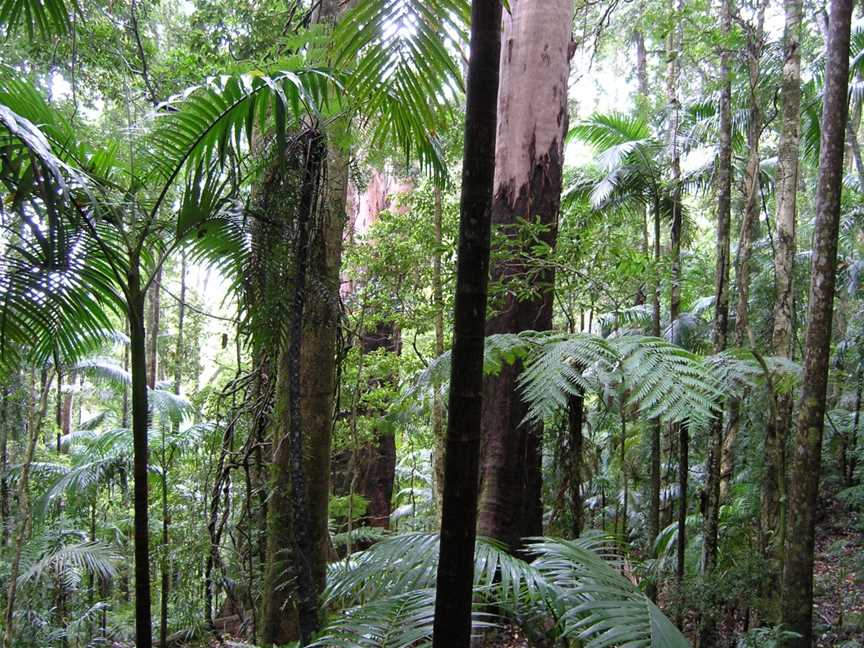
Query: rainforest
[443, 323]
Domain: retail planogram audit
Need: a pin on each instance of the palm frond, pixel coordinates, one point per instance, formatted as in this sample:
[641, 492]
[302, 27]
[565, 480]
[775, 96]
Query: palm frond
[96, 558]
[45, 17]
[84, 476]
[215, 121]
[401, 59]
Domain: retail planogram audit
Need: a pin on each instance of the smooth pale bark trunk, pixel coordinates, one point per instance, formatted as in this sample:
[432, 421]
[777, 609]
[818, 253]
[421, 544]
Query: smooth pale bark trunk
[782, 336]
[797, 590]
[455, 577]
[710, 524]
[532, 122]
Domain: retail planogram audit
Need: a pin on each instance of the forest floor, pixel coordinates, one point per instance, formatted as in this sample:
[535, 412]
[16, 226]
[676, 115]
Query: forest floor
[838, 614]
[838, 586]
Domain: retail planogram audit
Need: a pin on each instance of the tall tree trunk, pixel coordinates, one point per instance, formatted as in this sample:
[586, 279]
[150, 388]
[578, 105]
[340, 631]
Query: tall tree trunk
[777, 430]
[307, 594]
[797, 590]
[643, 108]
[154, 298]
[656, 441]
[178, 375]
[455, 578]
[13, 419]
[752, 193]
[575, 418]
[532, 122]
[708, 625]
[317, 366]
[673, 72]
[22, 520]
[673, 47]
[290, 611]
[140, 421]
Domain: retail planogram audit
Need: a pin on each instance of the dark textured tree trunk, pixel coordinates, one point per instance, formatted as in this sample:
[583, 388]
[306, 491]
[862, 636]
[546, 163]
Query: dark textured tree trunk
[453, 600]
[140, 420]
[307, 592]
[673, 50]
[777, 430]
[681, 538]
[797, 590]
[11, 419]
[532, 114]
[317, 362]
[643, 108]
[656, 442]
[575, 418]
[291, 610]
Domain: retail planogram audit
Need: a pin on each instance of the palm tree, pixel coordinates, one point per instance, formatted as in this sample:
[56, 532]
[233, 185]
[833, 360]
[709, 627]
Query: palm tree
[453, 599]
[120, 234]
[105, 242]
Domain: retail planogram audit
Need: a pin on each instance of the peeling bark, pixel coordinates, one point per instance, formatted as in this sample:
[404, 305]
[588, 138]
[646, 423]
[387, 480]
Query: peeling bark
[532, 110]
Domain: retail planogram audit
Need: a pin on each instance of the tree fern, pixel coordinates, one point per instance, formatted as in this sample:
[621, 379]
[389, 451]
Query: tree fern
[390, 597]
